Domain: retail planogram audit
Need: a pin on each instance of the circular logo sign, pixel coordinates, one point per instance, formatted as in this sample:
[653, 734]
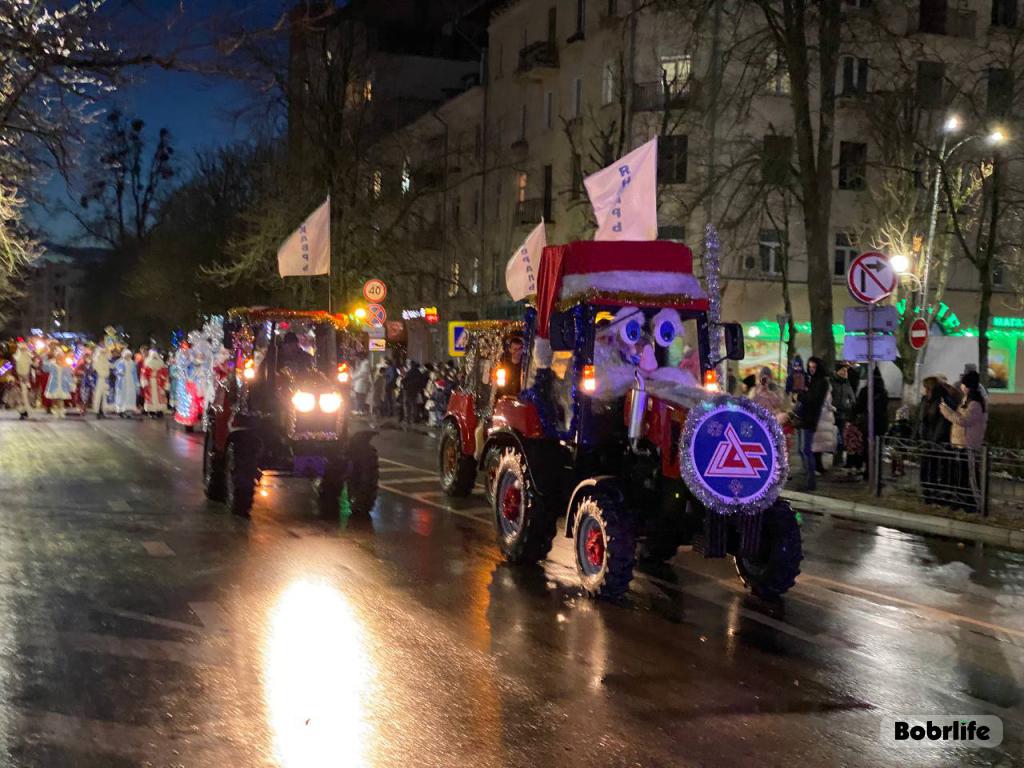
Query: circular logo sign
[375, 291]
[733, 455]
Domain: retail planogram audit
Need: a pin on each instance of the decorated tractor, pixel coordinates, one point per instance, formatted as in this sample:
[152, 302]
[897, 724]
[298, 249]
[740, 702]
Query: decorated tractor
[284, 408]
[622, 429]
[493, 369]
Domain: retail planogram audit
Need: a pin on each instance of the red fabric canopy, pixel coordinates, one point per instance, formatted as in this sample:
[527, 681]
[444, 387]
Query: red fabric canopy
[591, 256]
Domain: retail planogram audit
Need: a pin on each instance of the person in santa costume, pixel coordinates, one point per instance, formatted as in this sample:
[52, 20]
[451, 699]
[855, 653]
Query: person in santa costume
[23, 375]
[61, 379]
[127, 386]
[154, 384]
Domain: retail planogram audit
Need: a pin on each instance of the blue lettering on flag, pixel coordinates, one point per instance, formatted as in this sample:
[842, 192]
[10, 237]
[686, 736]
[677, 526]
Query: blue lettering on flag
[626, 174]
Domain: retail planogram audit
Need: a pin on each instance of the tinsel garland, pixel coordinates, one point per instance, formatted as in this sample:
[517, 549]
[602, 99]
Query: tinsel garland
[712, 276]
[487, 339]
[714, 500]
[261, 314]
[627, 298]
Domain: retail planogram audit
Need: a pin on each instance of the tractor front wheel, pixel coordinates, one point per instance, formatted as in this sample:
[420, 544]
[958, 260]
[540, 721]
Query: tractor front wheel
[604, 542]
[773, 571]
[240, 475]
[213, 469]
[458, 471]
[364, 479]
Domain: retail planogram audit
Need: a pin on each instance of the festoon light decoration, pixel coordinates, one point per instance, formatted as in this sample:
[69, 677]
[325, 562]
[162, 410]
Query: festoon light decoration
[712, 277]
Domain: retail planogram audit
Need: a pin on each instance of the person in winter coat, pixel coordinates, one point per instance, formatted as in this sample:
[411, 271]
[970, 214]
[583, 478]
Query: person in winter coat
[843, 400]
[60, 379]
[361, 383]
[766, 392]
[127, 386]
[810, 404]
[967, 435]
[859, 421]
[23, 372]
[796, 379]
[824, 440]
[154, 384]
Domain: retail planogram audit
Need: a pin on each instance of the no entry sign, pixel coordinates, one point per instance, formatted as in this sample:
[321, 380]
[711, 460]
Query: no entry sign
[918, 333]
[871, 278]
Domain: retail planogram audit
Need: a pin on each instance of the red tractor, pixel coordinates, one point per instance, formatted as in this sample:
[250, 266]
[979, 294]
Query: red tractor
[622, 429]
[493, 367]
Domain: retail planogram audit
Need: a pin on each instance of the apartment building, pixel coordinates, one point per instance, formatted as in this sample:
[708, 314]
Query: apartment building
[570, 85]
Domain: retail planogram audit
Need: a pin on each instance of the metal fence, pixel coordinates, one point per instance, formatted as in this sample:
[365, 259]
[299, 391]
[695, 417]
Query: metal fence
[976, 481]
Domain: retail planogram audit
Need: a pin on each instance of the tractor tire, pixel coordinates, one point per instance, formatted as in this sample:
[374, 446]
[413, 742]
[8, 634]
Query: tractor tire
[525, 527]
[240, 475]
[457, 471]
[604, 543]
[363, 482]
[328, 492]
[774, 570]
[214, 485]
[490, 472]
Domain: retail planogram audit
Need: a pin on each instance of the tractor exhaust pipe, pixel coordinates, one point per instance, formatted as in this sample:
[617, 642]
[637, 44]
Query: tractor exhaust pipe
[637, 407]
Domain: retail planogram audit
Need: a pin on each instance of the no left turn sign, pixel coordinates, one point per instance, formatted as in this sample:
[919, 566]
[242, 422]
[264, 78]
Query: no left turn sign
[871, 278]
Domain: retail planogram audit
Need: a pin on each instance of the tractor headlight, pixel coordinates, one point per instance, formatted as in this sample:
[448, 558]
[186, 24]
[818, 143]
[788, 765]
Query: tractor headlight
[304, 402]
[330, 402]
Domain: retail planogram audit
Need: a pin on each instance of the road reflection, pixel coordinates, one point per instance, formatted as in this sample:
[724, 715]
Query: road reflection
[318, 676]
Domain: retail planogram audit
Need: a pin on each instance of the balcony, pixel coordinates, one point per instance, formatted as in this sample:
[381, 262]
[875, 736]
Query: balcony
[654, 96]
[955, 22]
[537, 57]
[529, 211]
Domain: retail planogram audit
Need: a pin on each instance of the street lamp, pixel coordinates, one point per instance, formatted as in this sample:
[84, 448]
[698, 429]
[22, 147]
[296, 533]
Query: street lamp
[360, 314]
[899, 263]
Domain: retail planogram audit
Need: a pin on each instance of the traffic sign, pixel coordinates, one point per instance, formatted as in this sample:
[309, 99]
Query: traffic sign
[458, 336]
[375, 291]
[376, 316]
[378, 345]
[918, 333]
[871, 278]
[375, 332]
[886, 319]
[883, 347]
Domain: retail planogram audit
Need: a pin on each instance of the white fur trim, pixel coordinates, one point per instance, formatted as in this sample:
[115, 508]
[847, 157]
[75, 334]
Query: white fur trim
[653, 283]
[542, 354]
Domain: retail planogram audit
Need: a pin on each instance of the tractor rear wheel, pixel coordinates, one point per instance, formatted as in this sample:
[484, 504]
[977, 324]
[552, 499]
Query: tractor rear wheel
[773, 571]
[525, 527]
[363, 480]
[604, 542]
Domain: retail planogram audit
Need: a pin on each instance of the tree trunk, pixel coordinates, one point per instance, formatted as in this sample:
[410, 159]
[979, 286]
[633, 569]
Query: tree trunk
[985, 272]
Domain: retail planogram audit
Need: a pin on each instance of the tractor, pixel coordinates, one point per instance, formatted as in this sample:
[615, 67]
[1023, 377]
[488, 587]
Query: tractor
[622, 429]
[284, 408]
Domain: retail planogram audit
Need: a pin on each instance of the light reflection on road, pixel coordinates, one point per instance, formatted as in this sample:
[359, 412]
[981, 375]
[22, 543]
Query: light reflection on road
[318, 676]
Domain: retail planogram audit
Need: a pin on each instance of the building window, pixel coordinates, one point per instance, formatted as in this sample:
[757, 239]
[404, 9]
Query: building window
[998, 274]
[577, 97]
[843, 255]
[778, 75]
[613, 8]
[609, 81]
[475, 287]
[497, 200]
[453, 286]
[674, 232]
[933, 16]
[476, 207]
[456, 212]
[549, 101]
[855, 76]
[769, 251]
[931, 77]
[581, 18]
[521, 188]
[853, 158]
[1004, 13]
[576, 188]
[548, 193]
[552, 25]
[675, 73]
[1000, 92]
[858, 3]
[776, 157]
[522, 123]
[406, 177]
[377, 183]
[672, 159]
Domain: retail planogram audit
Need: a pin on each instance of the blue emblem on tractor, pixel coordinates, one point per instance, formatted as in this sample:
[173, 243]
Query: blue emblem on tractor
[733, 455]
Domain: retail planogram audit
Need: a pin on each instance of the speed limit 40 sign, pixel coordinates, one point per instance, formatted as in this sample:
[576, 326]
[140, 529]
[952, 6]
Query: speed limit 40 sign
[375, 291]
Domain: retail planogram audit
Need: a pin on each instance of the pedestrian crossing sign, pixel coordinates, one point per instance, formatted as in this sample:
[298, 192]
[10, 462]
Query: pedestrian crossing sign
[458, 336]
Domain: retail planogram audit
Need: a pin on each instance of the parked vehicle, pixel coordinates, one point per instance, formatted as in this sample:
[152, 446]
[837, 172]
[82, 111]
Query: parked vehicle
[284, 408]
[623, 430]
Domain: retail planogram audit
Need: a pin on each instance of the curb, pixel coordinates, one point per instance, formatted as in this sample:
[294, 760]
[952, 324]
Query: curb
[908, 521]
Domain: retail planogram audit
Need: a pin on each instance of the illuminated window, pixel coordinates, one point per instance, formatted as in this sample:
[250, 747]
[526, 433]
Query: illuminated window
[378, 182]
[778, 75]
[676, 71]
[521, 187]
[769, 248]
[609, 81]
[406, 177]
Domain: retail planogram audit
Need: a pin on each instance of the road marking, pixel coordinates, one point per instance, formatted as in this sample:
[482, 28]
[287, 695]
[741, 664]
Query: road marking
[212, 615]
[148, 619]
[157, 549]
[119, 505]
[401, 480]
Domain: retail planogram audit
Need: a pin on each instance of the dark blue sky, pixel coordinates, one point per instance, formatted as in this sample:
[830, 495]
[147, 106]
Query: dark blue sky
[198, 110]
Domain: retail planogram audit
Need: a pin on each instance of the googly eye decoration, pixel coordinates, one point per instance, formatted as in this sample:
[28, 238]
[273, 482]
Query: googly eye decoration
[666, 327]
[630, 322]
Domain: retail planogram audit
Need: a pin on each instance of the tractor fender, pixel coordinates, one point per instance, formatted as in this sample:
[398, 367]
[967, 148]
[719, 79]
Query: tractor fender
[607, 483]
[540, 454]
[462, 410]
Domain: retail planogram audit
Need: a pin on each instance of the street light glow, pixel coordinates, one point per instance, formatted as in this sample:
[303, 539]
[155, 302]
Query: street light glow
[952, 124]
[360, 313]
[900, 263]
[997, 136]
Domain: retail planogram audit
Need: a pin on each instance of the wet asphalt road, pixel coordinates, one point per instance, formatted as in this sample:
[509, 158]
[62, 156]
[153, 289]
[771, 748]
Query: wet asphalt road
[142, 625]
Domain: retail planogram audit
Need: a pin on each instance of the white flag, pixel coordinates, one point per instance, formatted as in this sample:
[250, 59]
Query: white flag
[521, 270]
[307, 251]
[625, 196]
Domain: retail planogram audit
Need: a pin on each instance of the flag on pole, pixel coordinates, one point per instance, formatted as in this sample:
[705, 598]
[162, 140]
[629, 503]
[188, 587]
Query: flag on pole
[521, 270]
[307, 251]
[625, 196]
